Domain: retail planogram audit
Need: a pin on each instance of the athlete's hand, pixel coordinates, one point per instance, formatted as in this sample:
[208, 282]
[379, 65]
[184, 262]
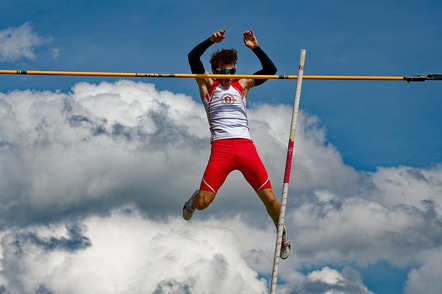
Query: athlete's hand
[218, 36]
[250, 40]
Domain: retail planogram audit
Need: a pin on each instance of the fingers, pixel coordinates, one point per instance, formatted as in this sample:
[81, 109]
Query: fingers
[218, 36]
[250, 40]
[248, 34]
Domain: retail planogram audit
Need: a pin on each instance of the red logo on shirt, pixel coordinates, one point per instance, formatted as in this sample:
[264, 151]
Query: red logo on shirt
[227, 99]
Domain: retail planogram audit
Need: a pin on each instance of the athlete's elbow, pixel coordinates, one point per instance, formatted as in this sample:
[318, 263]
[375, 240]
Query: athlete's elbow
[272, 69]
[269, 70]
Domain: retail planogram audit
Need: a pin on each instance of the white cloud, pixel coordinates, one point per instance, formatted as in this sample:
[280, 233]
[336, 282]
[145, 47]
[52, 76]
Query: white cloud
[19, 42]
[362, 231]
[409, 186]
[100, 147]
[330, 281]
[125, 253]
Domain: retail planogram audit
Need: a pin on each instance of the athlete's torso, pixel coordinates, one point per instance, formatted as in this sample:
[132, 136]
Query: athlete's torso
[226, 111]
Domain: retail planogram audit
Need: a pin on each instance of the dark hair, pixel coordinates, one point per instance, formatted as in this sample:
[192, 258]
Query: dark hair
[223, 56]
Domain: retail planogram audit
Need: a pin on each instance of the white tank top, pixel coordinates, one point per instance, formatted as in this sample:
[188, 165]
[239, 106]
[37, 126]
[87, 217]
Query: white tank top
[226, 111]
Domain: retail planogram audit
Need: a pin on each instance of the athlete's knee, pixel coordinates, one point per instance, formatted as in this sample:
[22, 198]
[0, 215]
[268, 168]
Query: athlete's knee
[203, 199]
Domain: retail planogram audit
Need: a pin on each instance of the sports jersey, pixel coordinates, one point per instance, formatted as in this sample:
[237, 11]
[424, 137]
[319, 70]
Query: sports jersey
[226, 111]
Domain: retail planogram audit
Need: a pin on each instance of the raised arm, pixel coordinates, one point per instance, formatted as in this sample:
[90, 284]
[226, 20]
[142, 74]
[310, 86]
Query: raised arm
[194, 57]
[268, 68]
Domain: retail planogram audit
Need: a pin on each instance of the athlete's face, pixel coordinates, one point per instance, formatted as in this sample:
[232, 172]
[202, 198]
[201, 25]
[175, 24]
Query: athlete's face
[225, 69]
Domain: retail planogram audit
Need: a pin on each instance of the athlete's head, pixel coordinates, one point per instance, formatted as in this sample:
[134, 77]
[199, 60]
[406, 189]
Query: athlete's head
[223, 57]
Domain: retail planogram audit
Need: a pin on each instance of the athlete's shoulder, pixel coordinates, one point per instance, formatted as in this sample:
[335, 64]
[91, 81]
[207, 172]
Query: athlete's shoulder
[246, 84]
[213, 86]
[237, 85]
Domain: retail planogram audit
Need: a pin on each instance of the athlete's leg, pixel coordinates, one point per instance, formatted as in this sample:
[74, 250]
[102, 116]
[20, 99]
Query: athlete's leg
[203, 199]
[255, 173]
[251, 166]
[270, 202]
[273, 207]
[221, 163]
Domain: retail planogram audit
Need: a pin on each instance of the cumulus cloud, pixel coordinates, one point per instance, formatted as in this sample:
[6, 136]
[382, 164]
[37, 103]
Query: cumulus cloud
[124, 253]
[364, 231]
[331, 281]
[19, 42]
[97, 147]
[410, 186]
[69, 157]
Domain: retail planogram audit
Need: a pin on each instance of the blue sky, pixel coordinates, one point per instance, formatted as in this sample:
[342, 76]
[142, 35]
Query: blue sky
[376, 128]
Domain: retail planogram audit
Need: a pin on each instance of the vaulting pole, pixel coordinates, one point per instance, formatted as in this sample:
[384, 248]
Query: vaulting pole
[288, 167]
[422, 77]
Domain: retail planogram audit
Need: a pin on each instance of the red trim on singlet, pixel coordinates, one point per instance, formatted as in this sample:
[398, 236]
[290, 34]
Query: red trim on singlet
[235, 84]
[211, 89]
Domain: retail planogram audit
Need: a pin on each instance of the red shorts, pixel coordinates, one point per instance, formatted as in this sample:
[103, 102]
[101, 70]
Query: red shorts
[228, 155]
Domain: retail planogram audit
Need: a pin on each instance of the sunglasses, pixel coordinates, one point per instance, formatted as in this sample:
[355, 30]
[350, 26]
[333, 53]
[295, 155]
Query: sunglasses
[225, 71]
